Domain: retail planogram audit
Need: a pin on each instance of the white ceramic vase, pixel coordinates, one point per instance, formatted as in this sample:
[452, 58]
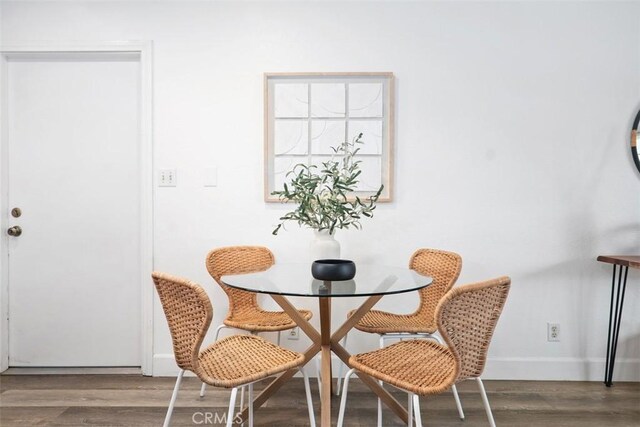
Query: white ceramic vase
[324, 246]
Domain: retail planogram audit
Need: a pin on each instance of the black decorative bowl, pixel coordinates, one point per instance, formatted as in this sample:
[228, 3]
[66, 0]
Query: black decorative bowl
[333, 269]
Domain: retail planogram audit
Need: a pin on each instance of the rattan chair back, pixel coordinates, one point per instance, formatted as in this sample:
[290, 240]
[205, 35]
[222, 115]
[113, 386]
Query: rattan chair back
[238, 260]
[189, 312]
[444, 267]
[467, 317]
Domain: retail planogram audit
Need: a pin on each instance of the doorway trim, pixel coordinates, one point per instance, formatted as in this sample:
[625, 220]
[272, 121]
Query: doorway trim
[145, 50]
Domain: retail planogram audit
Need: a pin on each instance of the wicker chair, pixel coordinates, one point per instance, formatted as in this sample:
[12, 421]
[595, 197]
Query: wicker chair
[444, 267]
[466, 318]
[244, 312]
[235, 361]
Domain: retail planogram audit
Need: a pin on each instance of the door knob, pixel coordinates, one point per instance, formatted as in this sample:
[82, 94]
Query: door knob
[14, 231]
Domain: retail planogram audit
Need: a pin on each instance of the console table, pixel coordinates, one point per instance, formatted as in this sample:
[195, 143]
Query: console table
[615, 311]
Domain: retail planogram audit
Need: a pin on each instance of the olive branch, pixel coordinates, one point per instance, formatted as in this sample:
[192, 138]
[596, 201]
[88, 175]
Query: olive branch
[321, 193]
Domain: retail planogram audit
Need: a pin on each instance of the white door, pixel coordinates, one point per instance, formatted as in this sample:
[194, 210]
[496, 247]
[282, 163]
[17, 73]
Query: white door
[74, 272]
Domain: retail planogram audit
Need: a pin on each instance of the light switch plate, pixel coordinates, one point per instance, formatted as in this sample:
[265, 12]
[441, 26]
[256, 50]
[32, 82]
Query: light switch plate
[211, 177]
[167, 178]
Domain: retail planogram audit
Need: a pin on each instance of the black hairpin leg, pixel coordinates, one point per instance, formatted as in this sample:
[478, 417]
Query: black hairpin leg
[615, 318]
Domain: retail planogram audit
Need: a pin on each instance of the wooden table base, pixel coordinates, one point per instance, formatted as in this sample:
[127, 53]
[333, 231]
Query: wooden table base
[326, 343]
[325, 361]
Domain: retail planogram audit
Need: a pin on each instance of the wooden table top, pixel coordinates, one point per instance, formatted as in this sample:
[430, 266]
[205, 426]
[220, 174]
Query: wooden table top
[632, 261]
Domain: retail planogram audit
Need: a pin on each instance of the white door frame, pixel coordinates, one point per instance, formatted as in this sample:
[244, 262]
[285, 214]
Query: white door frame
[145, 50]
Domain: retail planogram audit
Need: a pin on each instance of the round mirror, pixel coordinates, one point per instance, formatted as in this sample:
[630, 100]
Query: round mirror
[634, 142]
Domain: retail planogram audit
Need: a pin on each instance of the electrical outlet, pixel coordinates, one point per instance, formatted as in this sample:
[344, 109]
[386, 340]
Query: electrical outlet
[553, 332]
[293, 334]
[167, 178]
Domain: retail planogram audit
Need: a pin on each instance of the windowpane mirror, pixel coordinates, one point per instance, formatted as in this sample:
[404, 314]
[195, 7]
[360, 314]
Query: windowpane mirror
[307, 115]
[634, 142]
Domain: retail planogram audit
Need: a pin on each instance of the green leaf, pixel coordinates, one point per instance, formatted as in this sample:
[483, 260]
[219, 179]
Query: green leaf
[275, 232]
[321, 192]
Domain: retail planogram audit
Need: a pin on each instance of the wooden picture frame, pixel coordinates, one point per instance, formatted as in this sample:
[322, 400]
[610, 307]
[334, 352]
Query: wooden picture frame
[305, 114]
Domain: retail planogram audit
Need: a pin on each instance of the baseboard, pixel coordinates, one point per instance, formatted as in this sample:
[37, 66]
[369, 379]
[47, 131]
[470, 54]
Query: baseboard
[540, 369]
[74, 371]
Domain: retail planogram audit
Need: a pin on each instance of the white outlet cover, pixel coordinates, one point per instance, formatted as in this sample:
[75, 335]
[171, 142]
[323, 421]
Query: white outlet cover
[293, 334]
[553, 332]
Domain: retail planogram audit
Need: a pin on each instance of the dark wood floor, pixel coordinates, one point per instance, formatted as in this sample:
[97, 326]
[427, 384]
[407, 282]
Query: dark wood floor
[131, 400]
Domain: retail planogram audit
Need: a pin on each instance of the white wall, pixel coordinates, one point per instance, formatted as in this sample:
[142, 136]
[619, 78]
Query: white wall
[511, 147]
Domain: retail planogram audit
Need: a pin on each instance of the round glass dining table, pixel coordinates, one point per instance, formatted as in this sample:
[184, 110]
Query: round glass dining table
[371, 280]
[296, 280]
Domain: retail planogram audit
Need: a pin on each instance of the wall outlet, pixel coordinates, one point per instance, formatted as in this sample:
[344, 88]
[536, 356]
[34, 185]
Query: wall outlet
[553, 332]
[293, 334]
[167, 178]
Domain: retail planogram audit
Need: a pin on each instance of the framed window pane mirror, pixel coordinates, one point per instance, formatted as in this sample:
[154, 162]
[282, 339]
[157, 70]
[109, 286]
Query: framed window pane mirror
[306, 114]
[634, 141]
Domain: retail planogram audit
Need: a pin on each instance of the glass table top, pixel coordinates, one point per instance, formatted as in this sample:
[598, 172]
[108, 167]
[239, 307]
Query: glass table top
[296, 280]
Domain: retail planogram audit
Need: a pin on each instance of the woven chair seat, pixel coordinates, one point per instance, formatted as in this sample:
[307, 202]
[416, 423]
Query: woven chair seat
[244, 311]
[419, 366]
[382, 322]
[444, 267]
[241, 359]
[264, 321]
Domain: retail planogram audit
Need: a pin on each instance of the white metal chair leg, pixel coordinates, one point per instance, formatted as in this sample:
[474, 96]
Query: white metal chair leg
[242, 398]
[167, 418]
[379, 409]
[218, 329]
[254, 333]
[485, 401]
[344, 344]
[416, 410]
[250, 403]
[307, 391]
[232, 407]
[436, 338]
[343, 400]
[278, 337]
[318, 375]
[410, 410]
[382, 338]
[456, 397]
[454, 389]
